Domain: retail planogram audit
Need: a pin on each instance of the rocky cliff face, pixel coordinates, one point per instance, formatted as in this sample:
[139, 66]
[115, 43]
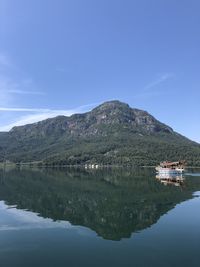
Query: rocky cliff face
[115, 112]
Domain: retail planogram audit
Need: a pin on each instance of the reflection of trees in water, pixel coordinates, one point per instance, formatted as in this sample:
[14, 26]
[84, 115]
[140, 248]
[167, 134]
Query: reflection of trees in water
[114, 203]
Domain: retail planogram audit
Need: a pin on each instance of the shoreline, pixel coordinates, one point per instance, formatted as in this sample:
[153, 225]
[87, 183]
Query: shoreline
[39, 165]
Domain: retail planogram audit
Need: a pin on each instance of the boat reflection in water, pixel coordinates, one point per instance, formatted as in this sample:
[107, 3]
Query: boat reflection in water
[170, 178]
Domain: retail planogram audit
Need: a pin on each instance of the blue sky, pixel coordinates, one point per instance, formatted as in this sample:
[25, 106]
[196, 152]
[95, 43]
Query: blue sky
[66, 56]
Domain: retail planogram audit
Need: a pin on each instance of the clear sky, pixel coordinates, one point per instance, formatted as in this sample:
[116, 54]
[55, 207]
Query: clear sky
[66, 56]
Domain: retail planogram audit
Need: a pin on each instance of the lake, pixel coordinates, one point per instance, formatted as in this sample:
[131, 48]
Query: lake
[119, 217]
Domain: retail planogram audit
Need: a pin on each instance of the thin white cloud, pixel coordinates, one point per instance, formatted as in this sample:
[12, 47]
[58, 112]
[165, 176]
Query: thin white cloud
[22, 92]
[161, 79]
[46, 110]
[25, 109]
[41, 114]
[10, 87]
[13, 82]
[28, 119]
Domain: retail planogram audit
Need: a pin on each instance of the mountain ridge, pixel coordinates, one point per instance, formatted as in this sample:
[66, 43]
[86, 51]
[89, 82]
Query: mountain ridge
[101, 108]
[111, 133]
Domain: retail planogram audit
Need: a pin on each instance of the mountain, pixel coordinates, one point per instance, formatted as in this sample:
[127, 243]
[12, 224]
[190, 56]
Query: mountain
[112, 133]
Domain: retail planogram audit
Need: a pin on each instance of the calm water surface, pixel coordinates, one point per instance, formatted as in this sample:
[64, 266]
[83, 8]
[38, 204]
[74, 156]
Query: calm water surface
[98, 218]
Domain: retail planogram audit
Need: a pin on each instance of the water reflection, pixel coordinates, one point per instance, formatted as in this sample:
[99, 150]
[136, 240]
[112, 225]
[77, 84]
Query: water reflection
[171, 179]
[113, 203]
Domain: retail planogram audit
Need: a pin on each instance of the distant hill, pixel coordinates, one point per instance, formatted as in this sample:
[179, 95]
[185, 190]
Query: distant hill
[112, 133]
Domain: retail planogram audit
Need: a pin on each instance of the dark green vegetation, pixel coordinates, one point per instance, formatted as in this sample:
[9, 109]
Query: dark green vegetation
[113, 133]
[112, 203]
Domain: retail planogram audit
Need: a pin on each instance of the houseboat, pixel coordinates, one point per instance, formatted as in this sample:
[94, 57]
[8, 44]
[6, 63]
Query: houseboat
[173, 168]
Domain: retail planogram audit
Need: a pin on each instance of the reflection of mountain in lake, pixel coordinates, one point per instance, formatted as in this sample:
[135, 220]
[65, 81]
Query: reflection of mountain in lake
[113, 203]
